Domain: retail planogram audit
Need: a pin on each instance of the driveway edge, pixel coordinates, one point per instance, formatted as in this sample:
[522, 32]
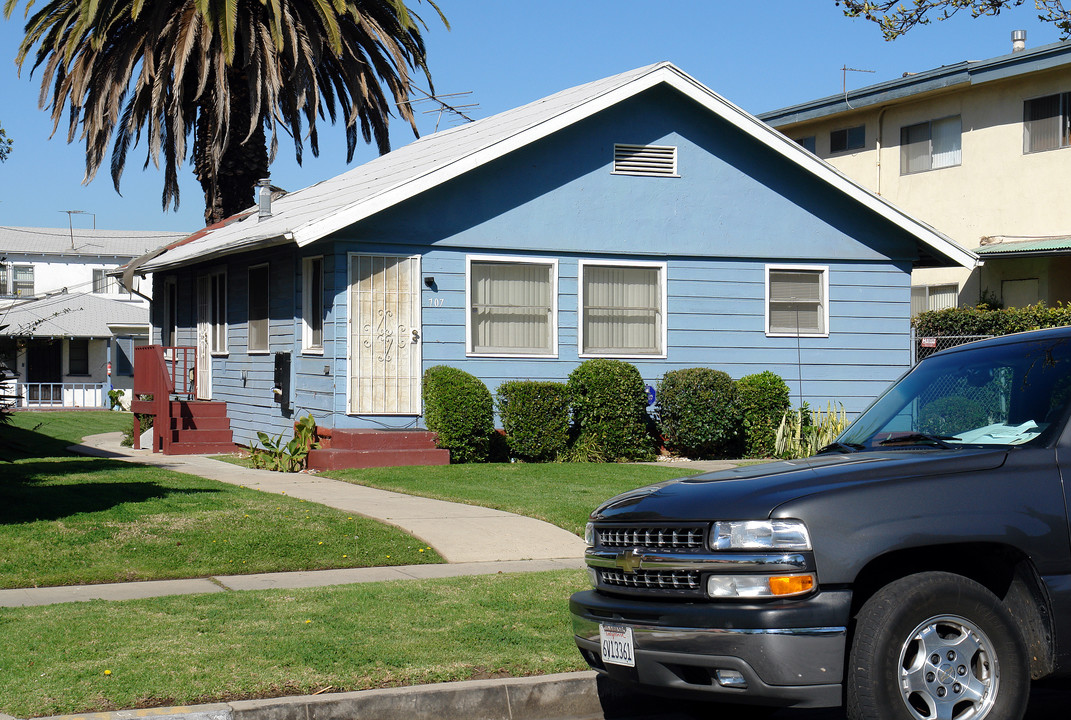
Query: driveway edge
[545, 697]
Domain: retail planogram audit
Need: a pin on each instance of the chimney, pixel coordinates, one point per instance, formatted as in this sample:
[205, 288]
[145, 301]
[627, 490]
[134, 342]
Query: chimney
[264, 198]
[1018, 40]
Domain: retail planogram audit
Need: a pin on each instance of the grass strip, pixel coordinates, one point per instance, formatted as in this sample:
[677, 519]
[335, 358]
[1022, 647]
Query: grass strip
[560, 493]
[97, 656]
[37, 434]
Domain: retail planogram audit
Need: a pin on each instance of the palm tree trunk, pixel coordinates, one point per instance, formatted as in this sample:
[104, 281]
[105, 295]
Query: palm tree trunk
[229, 184]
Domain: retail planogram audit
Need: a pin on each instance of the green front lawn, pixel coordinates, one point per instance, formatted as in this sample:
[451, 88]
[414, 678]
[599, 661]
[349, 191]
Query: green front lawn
[560, 493]
[95, 656]
[66, 519]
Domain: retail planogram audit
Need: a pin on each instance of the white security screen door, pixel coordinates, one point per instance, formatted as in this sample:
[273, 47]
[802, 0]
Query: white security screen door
[204, 325]
[385, 358]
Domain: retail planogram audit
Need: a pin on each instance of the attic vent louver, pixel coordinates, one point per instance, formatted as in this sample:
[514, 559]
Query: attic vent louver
[649, 160]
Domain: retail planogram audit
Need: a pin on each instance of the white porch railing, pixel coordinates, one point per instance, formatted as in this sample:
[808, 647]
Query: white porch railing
[36, 396]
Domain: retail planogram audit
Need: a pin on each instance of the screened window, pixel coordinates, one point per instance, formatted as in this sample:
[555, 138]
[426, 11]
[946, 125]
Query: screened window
[312, 304]
[512, 307]
[622, 309]
[1045, 123]
[853, 138]
[78, 356]
[23, 284]
[796, 301]
[933, 297]
[259, 295]
[930, 145]
[808, 143]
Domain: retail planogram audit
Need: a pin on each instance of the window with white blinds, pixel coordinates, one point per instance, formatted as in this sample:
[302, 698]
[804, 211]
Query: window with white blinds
[931, 145]
[622, 309]
[1046, 123]
[933, 297]
[512, 307]
[259, 296]
[23, 284]
[797, 301]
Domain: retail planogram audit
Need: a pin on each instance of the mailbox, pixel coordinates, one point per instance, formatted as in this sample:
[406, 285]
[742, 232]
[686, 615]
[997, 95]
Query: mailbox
[281, 390]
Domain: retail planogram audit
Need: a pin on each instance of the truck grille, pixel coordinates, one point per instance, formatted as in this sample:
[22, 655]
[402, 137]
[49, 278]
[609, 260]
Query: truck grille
[652, 579]
[662, 538]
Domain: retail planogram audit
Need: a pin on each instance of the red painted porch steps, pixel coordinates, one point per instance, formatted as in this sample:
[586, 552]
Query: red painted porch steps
[200, 427]
[375, 448]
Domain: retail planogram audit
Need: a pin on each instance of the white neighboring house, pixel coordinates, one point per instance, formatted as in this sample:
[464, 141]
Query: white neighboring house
[70, 327]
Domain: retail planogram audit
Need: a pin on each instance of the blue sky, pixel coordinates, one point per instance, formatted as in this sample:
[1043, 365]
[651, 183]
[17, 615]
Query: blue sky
[759, 55]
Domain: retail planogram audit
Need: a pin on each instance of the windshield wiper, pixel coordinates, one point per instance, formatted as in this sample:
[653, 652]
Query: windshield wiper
[841, 447]
[921, 437]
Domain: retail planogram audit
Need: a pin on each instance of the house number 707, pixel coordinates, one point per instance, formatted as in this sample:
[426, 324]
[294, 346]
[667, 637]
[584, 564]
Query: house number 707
[435, 302]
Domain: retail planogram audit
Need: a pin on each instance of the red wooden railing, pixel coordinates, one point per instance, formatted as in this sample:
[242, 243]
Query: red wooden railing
[161, 371]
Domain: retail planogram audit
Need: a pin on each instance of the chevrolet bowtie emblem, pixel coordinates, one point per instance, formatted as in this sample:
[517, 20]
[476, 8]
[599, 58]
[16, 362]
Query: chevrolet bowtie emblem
[629, 561]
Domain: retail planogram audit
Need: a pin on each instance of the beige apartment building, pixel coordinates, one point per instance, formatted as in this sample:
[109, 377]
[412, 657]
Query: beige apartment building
[980, 150]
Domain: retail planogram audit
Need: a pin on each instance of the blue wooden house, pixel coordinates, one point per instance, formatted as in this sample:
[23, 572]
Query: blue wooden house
[640, 217]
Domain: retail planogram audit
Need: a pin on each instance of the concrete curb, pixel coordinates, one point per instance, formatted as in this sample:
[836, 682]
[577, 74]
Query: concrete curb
[547, 697]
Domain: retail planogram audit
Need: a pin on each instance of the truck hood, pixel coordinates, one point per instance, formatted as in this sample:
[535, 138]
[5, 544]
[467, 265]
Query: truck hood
[753, 492]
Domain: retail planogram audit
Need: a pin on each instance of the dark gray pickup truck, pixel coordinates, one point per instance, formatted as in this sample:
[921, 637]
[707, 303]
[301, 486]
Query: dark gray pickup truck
[918, 568]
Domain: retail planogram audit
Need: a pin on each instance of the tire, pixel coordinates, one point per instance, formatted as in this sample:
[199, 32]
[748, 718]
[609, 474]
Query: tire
[982, 670]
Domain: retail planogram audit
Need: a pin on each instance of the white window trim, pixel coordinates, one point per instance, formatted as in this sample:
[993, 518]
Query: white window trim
[824, 269]
[307, 348]
[663, 281]
[226, 349]
[507, 259]
[248, 311]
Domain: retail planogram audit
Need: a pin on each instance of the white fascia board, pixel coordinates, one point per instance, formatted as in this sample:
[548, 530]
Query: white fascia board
[259, 241]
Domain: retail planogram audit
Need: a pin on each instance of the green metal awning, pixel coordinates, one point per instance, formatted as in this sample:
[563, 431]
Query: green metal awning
[1041, 246]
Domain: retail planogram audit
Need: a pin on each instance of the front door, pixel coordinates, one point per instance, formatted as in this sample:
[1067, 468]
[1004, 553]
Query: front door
[385, 357]
[204, 336]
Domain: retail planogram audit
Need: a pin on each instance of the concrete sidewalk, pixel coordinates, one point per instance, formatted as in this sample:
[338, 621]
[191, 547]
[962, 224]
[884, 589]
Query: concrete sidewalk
[459, 533]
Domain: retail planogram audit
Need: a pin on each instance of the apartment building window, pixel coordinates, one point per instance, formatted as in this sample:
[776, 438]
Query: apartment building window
[807, 143]
[78, 356]
[1045, 123]
[512, 306]
[845, 139]
[930, 145]
[104, 284]
[797, 301]
[3, 280]
[23, 284]
[259, 296]
[933, 297]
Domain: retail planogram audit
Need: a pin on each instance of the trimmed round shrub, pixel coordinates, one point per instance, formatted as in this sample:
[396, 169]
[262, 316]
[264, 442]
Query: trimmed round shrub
[535, 416]
[609, 401]
[697, 412]
[458, 407]
[763, 400]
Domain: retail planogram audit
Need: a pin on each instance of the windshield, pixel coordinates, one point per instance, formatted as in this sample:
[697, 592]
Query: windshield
[1007, 395]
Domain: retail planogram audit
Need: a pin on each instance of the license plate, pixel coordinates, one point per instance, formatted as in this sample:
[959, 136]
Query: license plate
[617, 645]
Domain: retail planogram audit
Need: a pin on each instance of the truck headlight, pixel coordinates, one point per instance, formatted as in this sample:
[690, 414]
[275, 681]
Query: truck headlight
[589, 534]
[760, 535]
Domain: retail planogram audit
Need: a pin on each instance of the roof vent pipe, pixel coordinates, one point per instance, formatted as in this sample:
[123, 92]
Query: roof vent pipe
[1018, 40]
[264, 198]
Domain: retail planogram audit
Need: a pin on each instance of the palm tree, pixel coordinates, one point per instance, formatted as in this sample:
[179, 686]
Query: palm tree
[228, 73]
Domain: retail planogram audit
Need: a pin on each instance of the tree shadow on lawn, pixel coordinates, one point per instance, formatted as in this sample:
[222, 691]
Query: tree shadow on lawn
[27, 496]
[18, 443]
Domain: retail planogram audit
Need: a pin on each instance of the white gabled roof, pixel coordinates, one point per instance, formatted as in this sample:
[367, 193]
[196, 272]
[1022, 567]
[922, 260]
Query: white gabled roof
[307, 215]
[82, 242]
[73, 315]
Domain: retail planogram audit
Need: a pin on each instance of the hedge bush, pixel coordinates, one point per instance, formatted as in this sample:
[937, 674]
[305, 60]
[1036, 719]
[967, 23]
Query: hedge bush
[763, 400]
[458, 407]
[983, 321]
[535, 416]
[609, 402]
[697, 412]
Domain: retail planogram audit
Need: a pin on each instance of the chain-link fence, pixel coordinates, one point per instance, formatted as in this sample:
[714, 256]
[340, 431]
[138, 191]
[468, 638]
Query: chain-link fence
[924, 346]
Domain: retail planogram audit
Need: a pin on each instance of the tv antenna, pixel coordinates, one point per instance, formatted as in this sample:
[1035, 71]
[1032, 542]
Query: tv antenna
[844, 70]
[70, 222]
[444, 107]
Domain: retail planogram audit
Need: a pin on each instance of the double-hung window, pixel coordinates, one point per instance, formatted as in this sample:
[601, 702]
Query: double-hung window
[102, 284]
[23, 285]
[1046, 123]
[259, 301]
[930, 145]
[622, 307]
[312, 305]
[512, 305]
[797, 301]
